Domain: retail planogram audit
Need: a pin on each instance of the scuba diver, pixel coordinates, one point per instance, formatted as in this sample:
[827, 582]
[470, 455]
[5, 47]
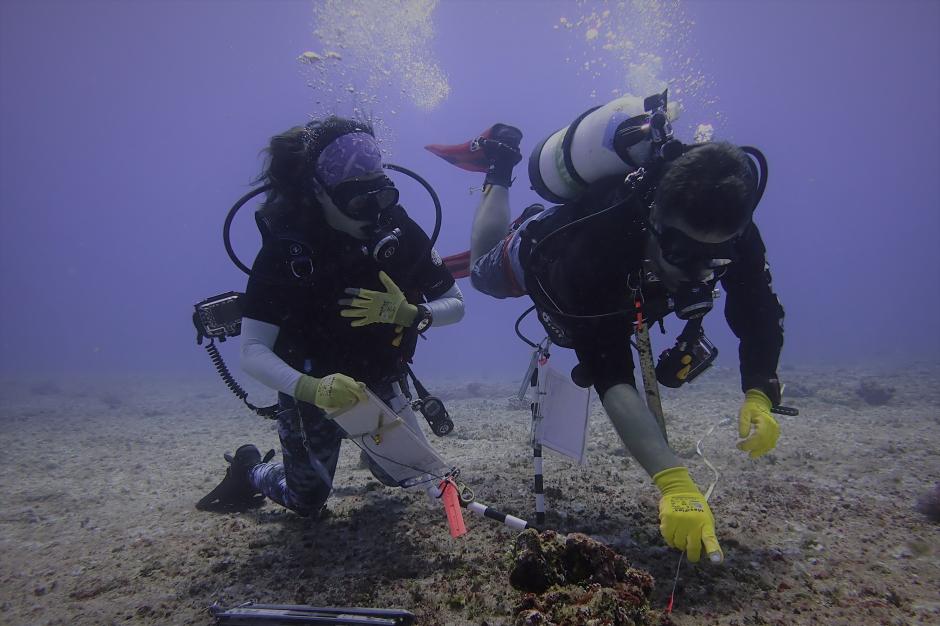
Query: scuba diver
[344, 283]
[643, 226]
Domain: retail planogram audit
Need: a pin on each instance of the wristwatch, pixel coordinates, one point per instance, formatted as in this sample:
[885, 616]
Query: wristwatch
[769, 386]
[423, 319]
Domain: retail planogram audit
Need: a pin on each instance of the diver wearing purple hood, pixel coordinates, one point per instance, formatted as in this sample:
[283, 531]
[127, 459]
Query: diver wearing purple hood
[344, 283]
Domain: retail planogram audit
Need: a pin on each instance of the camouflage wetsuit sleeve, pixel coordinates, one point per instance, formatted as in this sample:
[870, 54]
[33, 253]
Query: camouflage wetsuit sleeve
[754, 314]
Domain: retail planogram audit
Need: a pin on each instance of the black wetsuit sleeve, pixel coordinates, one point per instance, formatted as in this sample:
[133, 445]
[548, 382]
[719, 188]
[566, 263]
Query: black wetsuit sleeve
[754, 314]
[430, 276]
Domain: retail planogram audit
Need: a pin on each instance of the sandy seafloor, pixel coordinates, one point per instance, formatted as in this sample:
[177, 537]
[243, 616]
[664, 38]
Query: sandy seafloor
[99, 478]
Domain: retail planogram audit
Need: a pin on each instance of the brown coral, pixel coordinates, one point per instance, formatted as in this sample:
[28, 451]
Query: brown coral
[535, 561]
[581, 581]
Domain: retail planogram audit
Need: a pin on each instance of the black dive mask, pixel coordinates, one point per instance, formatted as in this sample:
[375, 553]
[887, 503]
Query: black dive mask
[369, 201]
[365, 200]
[687, 253]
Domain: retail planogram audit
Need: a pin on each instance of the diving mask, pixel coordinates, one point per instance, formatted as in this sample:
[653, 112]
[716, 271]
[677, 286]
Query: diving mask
[693, 296]
[365, 199]
[689, 253]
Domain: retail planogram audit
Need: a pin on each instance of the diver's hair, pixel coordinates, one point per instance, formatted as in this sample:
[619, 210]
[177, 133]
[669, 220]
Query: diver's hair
[710, 189]
[287, 169]
[291, 158]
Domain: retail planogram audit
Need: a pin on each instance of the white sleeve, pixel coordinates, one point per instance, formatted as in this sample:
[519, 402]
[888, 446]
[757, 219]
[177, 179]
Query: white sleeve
[447, 308]
[259, 361]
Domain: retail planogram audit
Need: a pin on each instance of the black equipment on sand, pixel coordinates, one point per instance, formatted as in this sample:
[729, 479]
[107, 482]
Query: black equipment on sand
[250, 614]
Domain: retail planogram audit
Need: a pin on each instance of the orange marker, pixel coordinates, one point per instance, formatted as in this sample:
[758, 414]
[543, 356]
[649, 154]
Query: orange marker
[452, 507]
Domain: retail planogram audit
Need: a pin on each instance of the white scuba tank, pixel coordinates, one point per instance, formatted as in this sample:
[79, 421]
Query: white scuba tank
[615, 138]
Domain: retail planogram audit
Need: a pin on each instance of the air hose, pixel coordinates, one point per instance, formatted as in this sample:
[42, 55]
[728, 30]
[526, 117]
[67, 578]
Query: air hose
[268, 412]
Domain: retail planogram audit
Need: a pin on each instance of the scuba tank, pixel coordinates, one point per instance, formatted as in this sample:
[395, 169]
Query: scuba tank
[613, 139]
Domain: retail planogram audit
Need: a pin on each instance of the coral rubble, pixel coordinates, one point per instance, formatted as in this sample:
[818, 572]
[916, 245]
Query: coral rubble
[576, 580]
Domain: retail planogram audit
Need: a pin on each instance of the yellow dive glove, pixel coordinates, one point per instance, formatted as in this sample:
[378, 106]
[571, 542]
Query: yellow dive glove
[330, 393]
[755, 414]
[685, 520]
[375, 307]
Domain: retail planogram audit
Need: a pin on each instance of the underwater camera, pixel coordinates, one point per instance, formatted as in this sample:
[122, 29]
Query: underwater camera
[218, 317]
[685, 361]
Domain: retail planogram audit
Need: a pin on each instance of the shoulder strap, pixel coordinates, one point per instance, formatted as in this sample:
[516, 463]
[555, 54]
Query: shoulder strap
[278, 233]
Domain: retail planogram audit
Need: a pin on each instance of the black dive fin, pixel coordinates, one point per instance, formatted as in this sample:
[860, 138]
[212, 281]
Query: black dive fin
[235, 493]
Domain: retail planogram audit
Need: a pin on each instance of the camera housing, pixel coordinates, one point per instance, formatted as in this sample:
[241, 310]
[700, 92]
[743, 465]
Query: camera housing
[218, 317]
[686, 360]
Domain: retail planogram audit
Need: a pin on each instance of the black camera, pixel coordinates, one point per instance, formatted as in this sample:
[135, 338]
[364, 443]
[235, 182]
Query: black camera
[219, 317]
[685, 361]
[435, 413]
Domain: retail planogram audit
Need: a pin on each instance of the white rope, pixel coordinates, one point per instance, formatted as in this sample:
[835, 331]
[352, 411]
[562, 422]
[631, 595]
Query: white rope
[699, 450]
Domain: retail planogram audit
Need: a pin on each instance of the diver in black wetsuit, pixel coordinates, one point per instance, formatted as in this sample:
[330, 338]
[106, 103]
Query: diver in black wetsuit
[660, 239]
[344, 283]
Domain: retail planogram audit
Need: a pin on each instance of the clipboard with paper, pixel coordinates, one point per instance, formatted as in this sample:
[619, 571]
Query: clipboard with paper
[561, 418]
[386, 438]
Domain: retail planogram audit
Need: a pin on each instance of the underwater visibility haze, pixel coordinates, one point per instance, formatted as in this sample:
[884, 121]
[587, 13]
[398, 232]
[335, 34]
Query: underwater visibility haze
[129, 129]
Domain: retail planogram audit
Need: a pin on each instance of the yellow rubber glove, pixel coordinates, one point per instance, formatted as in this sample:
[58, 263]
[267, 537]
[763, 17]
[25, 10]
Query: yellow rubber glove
[375, 307]
[330, 393]
[685, 520]
[755, 420]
